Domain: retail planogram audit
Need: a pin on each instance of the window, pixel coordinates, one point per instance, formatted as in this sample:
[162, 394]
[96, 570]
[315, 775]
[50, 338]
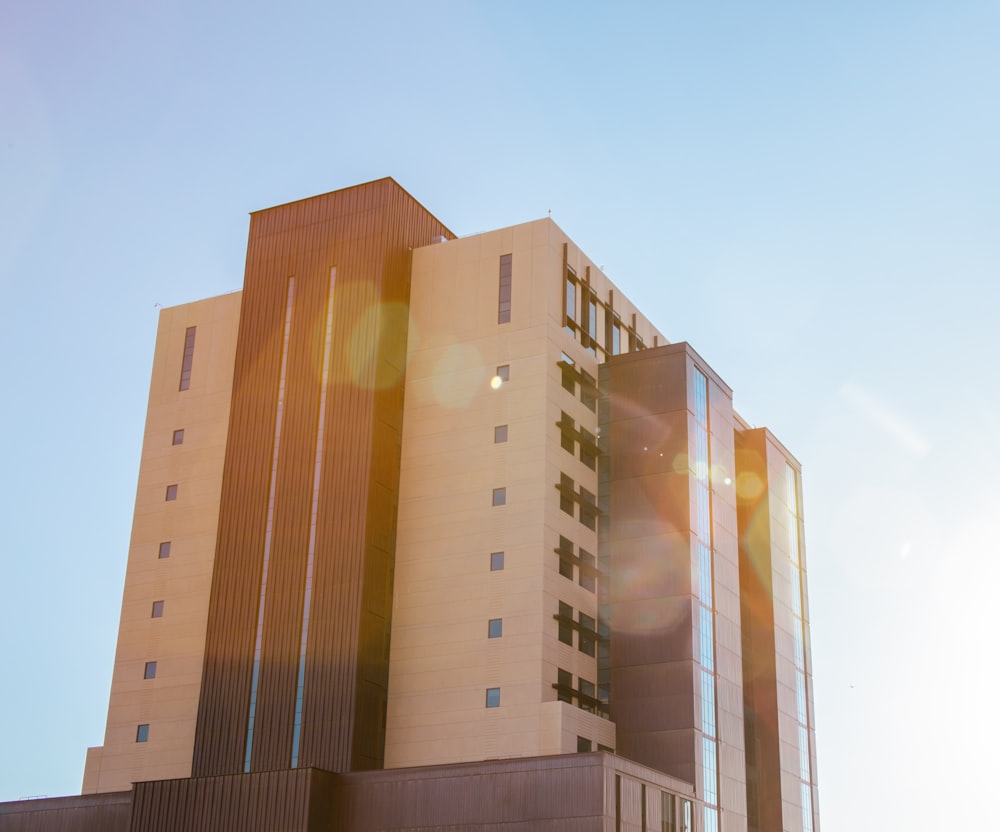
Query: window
[588, 455]
[503, 372]
[570, 298]
[171, 492]
[588, 509]
[565, 551]
[592, 324]
[150, 671]
[157, 609]
[587, 580]
[566, 429]
[492, 697]
[164, 549]
[685, 816]
[586, 641]
[188, 359]
[564, 686]
[588, 389]
[503, 312]
[565, 620]
[495, 628]
[584, 745]
[566, 494]
[568, 380]
[616, 338]
[499, 434]
[499, 496]
[142, 733]
[496, 561]
[178, 437]
[668, 812]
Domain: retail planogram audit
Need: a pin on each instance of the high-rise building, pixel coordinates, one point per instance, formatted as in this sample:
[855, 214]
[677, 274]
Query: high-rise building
[434, 530]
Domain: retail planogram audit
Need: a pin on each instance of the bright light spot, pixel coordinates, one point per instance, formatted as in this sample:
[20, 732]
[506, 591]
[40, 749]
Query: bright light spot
[728, 480]
[495, 382]
[749, 486]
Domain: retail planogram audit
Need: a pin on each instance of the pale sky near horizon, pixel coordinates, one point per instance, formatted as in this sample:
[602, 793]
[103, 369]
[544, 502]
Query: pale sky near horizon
[806, 194]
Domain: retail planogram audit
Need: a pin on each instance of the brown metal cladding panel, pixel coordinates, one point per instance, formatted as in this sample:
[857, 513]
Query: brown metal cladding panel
[346, 671]
[347, 229]
[255, 802]
[760, 704]
[107, 812]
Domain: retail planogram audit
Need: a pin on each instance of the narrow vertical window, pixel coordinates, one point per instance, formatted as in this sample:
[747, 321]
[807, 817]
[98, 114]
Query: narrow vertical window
[164, 549]
[171, 493]
[616, 338]
[142, 733]
[157, 610]
[496, 561]
[499, 496]
[565, 619]
[492, 697]
[178, 437]
[592, 323]
[503, 313]
[188, 359]
[570, 298]
[150, 671]
[495, 628]
[499, 434]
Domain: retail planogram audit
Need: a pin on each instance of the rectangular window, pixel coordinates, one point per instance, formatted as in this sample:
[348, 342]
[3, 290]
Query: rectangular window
[616, 338]
[588, 444]
[587, 580]
[503, 312]
[495, 628]
[587, 690]
[618, 803]
[496, 561]
[668, 812]
[588, 391]
[566, 494]
[586, 640]
[171, 493]
[142, 733]
[564, 685]
[583, 745]
[568, 380]
[164, 549]
[503, 372]
[592, 323]
[570, 298]
[157, 609]
[492, 697]
[499, 434]
[685, 816]
[499, 496]
[565, 623]
[566, 430]
[178, 437]
[565, 555]
[588, 509]
[188, 359]
[150, 671]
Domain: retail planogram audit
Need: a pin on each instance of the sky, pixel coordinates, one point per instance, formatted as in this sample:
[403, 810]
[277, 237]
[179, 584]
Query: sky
[806, 193]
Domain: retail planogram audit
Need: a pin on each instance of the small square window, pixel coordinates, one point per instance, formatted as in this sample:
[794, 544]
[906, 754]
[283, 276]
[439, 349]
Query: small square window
[157, 609]
[142, 733]
[496, 561]
[584, 745]
[178, 437]
[499, 496]
[165, 549]
[150, 671]
[499, 434]
[495, 627]
[171, 492]
[503, 372]
[492, 697]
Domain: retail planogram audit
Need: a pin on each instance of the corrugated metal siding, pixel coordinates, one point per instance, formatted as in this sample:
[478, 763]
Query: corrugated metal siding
[89, 813]
[366, 232]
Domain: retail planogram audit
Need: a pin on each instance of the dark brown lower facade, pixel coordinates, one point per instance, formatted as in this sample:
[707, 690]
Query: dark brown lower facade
[596, 792]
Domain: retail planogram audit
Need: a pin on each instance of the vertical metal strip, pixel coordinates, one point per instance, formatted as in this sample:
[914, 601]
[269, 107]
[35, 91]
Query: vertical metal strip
[258, 641]
[317, 471]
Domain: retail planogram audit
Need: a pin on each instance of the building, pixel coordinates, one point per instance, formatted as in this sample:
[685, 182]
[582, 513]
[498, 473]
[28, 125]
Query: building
[426, 522]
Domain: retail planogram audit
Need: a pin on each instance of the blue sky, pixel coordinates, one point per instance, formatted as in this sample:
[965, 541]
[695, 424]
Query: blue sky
[808, 195]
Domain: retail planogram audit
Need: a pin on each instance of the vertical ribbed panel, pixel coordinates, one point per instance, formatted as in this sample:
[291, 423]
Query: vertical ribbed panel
[365, 232]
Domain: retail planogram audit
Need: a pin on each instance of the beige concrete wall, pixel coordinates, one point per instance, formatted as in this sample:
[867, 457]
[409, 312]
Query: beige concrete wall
[168, 703]
[441, 661]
